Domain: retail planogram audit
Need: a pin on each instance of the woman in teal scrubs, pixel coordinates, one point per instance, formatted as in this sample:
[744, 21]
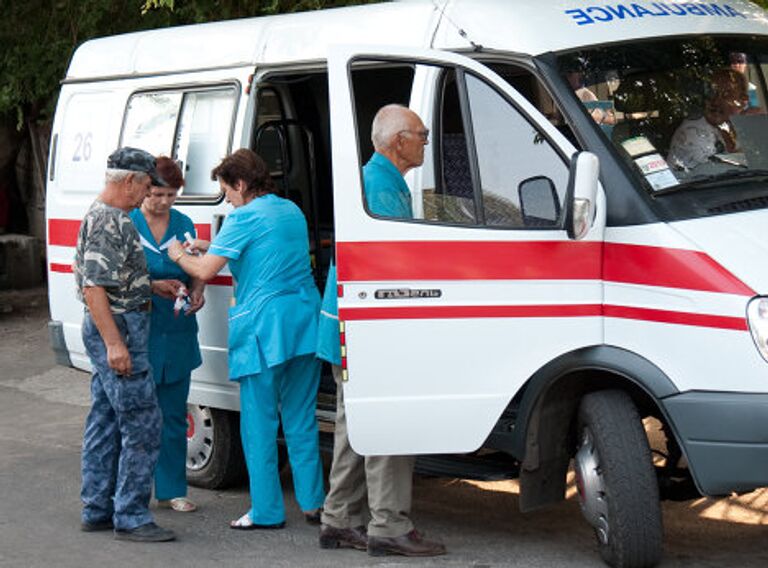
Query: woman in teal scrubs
[272, 335]
[173, 347]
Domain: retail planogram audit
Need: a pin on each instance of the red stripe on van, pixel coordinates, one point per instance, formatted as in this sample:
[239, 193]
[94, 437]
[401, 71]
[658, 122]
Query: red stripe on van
[468, 260]
[63, 268]
[220, 281]
[544, 311]
[539, 260]
[203, 231]
[682, 318]
[668, 267]
[458, 312]
[63, 232]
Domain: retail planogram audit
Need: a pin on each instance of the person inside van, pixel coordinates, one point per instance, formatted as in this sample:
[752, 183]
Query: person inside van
[711, 136]
[738, 62]
[399, 137]
[601, 111]
[173, 347]
[272, 335]
[385, 482]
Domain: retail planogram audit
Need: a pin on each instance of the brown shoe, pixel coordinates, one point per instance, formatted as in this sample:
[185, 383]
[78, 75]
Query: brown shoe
[331, 537]
[410, 544]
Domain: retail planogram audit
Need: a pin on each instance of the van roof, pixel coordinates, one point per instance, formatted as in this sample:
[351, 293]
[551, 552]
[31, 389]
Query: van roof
[523, 26]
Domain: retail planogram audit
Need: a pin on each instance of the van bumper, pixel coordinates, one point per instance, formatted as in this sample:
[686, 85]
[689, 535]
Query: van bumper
[724, 437]
[58, 343]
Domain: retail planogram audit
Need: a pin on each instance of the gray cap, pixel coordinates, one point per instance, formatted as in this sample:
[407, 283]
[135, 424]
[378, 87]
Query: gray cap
[135, 160]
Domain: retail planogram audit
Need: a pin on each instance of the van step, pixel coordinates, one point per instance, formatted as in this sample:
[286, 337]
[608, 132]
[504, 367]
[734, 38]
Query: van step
[485, 466]
[494, 466]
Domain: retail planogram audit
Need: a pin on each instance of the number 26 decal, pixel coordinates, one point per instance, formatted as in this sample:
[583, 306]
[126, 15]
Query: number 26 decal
[82, 147]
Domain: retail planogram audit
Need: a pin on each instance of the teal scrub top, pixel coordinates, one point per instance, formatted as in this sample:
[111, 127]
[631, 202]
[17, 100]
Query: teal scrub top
[387, 195]
[386, 192]
[328, 333]
[276, 301]
[173, 348]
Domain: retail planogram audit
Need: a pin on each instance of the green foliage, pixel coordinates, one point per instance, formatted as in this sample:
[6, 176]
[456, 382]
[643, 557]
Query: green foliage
[38, 37]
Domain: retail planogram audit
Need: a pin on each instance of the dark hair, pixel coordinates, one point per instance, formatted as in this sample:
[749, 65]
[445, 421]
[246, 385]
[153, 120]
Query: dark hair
[248, 166]
[169, 171]
[737, 57]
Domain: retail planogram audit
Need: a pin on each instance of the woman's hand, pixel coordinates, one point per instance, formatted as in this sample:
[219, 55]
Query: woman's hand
[196, 297]
[197, 245]
[166, 288]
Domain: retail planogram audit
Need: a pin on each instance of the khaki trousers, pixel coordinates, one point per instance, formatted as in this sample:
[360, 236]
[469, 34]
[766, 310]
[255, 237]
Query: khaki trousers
[386, 482]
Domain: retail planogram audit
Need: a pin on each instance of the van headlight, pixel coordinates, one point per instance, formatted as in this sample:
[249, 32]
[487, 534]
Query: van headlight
[757, 316]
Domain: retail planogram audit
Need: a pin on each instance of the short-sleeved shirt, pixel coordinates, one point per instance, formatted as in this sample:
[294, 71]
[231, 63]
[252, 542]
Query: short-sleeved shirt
[386, 192]
[277, 302]
[693, 143]
[173, 348]
[109, 255]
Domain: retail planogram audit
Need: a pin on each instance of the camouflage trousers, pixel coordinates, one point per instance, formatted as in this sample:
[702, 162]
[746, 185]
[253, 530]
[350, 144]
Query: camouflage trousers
[122, 432]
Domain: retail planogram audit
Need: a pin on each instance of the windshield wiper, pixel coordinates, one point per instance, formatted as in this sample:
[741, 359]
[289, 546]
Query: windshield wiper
[739, 176]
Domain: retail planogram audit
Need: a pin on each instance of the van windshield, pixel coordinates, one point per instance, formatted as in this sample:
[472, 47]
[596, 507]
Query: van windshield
[685, 113]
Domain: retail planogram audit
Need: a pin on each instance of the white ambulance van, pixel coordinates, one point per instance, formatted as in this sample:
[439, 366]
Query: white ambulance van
[531, 310]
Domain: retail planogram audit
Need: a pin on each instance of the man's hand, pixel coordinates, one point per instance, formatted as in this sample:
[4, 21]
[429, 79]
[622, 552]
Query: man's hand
[166, 288]
[119, 359]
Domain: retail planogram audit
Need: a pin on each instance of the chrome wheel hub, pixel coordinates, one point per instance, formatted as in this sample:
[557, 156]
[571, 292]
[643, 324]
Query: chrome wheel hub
[199, 437]
[591, 485]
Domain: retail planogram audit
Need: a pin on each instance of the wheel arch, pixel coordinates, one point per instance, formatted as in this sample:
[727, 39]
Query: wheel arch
[543, 435]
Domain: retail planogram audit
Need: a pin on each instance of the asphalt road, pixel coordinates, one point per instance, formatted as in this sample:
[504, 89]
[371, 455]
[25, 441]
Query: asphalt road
[42, 408]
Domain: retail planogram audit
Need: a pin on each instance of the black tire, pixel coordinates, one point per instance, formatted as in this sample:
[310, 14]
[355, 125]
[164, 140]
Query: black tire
[617, 484]
[214, 454]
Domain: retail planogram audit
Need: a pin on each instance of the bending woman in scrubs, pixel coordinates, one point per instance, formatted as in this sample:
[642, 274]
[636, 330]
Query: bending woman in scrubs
[272, 335]
[173, 348]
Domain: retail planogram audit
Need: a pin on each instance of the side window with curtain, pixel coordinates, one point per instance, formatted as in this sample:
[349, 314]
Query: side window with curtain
[192, 127]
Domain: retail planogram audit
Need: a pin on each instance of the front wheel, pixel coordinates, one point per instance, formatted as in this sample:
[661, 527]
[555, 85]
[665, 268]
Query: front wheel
[618, 491]
[214, 454]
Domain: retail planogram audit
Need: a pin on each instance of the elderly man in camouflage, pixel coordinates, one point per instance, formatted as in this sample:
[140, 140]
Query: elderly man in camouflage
[122, 432]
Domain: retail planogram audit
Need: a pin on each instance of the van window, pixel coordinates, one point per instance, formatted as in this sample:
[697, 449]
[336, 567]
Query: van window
[192, 127]
[510, 152]
[685, 113]
[483, 156]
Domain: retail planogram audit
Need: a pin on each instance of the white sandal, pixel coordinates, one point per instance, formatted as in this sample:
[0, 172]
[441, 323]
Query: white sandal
[178, 504]
[245, 523]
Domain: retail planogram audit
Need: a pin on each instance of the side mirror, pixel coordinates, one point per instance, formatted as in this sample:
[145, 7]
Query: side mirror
[582, 194]
[539, 203]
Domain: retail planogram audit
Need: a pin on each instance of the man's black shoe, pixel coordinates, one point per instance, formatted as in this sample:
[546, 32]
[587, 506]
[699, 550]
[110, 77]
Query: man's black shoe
[97, 526]
[410, 544]
[145, 533]
[331, 537]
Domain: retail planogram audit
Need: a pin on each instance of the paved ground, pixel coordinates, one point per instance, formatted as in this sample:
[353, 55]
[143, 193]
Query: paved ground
[42, 408]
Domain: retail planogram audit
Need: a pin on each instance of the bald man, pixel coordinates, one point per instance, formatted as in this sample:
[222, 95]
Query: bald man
[384, 482]
[399, 138]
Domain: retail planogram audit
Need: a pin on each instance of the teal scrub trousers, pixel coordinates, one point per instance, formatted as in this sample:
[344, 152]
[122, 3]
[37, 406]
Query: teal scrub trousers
[286, 392]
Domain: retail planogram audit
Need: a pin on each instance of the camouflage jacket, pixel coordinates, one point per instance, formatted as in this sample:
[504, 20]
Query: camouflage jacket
[109, 254]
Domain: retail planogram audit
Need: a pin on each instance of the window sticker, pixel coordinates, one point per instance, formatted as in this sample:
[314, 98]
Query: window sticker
[662, 180]
[638, 146]
[651, 164]
[656, 171]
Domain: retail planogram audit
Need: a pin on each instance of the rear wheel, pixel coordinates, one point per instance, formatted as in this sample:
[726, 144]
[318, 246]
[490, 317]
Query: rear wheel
[618, 491]
[214, 454]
